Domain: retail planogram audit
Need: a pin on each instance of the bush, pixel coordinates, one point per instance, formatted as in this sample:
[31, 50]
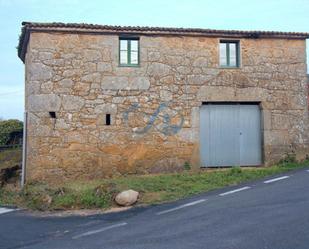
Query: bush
[288, 158]
[9, 129]
[187, 166]
[235, 170]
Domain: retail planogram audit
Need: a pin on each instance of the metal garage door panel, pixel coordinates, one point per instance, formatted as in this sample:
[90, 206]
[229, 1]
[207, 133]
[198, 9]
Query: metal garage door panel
[204, 135]
[250, 135]
[230, 135]
[219, 135]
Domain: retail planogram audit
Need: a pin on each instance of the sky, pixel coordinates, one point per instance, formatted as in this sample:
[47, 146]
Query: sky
[278, 15]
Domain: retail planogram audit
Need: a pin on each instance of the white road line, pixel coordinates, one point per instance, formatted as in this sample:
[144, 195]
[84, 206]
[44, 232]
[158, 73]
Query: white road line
[181, 206]
[6, 210]
[99, 230]
[277, 179]
[234, 191]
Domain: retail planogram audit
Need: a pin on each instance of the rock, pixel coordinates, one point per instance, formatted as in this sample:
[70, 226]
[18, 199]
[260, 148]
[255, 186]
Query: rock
[44, 102]
[114, 83]
[34, 87]
[201, 62]
[105, 108]
[45, 55]
[105, 67]
[47, 87]
[72, 103]
[61, 124]
[70, 73]
[199, 79]
[47, 199]
[38, 71]
[159, 69]
[127, 198]
[66, 83]
[92, 55]
[93, 77]
[55, 62]
[125, 83]
[166, 95]
[139, 83]
[90, 67]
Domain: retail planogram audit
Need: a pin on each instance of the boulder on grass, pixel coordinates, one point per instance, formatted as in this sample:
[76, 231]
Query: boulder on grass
[126, 198]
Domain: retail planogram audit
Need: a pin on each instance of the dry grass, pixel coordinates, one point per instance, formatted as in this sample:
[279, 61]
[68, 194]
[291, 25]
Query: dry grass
[10, 158]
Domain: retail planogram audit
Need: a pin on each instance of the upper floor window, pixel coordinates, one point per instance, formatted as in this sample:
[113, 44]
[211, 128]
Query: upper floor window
[229, 54]
[129, 51]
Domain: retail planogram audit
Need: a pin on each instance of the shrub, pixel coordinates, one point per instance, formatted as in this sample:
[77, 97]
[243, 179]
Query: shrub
[235, 170]
[9, 129]
[187, 166]
[36, 195]
[288, 158]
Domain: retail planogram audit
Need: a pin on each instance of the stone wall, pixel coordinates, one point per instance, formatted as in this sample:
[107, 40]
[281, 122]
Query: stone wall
[155, 107]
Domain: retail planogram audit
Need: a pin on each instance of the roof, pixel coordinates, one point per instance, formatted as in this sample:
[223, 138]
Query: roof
[28, 27]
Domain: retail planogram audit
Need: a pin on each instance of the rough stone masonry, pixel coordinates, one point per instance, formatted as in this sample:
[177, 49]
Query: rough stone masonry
[73, 72]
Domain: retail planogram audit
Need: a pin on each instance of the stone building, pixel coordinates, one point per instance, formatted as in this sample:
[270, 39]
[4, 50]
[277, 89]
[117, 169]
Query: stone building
[109, 100]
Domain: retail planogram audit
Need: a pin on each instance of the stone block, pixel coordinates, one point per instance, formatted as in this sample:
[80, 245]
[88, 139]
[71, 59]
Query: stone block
[65, 83]
[166, 95]
[159, 69]
[114, 82]
[92, 78]
[280, 121]
[92, 55]
[105, 67]
[39, 71]
[44, 103]
[106, 108]
[198, 79]
[72, 103]
[139, 83]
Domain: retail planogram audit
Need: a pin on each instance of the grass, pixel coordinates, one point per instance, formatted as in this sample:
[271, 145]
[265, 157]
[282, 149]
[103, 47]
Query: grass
[153, 188]
[10, 157]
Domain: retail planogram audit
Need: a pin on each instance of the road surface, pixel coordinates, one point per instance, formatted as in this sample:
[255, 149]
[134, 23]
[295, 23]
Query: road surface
[272, 213]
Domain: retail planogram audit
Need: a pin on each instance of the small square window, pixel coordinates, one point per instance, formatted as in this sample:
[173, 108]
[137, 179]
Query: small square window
[108, 119]
[129, 51]
[52, 114]
[229, 54]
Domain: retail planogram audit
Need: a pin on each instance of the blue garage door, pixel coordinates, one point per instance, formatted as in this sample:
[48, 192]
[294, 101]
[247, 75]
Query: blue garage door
[230, 135]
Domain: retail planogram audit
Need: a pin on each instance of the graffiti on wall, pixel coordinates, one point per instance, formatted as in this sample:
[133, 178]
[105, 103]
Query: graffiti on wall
[164, 119]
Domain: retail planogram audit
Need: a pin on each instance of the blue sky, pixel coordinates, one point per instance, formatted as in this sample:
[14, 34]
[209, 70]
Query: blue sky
[280, 15]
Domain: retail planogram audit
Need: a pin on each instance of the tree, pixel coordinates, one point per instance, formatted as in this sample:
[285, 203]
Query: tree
[9, 129]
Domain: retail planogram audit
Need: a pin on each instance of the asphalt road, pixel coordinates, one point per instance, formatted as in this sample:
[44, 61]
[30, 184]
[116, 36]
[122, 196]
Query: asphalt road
[270, 214]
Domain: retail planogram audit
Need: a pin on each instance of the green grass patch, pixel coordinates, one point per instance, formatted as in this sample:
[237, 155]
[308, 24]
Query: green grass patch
[153, 188]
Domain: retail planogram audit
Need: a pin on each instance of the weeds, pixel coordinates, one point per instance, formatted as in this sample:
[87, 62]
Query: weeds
[235, 170]
[153, 188]
[288, 158]
[187, 166]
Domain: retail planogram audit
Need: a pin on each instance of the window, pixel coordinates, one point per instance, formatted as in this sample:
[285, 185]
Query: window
[52, 114]
[229, 54]
[108, 119]
[129, 51]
